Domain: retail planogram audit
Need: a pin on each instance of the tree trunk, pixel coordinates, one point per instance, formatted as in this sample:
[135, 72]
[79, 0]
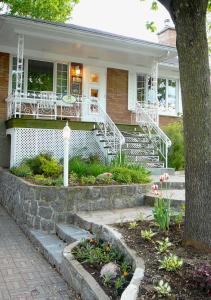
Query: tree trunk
[190, 22]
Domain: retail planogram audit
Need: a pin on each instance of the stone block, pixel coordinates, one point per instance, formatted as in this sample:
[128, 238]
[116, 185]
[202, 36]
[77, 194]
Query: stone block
[45, 212]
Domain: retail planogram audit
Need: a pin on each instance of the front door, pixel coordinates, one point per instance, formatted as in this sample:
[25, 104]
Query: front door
[94, 90]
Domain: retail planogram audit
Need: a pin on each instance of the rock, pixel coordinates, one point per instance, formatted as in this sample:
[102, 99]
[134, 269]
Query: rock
[110, 269]
[104, 178]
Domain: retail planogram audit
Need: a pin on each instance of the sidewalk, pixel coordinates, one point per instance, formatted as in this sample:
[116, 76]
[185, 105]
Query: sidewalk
[24, 273]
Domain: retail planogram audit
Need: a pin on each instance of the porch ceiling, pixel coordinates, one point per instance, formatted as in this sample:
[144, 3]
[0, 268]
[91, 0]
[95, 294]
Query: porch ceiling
[48, 40]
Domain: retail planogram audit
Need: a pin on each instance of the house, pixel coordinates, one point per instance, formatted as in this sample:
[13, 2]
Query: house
[116, 92]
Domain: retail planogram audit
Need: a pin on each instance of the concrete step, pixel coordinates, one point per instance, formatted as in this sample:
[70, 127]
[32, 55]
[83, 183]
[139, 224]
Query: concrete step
[154, 165]
[177, 197]
[140, 151]
[138, 146]
[49, 245]
[160, 170]
[117, 215]
[138, 139]
[70, 233]
[143, 158]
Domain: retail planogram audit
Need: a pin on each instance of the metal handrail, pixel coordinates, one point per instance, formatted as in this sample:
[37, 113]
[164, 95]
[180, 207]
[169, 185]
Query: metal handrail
[145, 121]
[110, 132]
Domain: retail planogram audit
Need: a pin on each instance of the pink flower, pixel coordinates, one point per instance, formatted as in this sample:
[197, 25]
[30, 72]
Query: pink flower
[162, 178]
[166, 176]
[154, 188]
[108, 174]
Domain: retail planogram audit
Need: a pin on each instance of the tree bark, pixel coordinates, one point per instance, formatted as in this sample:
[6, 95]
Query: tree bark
[189, 17]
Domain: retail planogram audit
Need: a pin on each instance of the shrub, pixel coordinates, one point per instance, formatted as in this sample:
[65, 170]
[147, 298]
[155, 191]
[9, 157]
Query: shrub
[161, 213]
[96, 169]
[73, 178]
[51, 167]
[133, 225]
[130, 174]
[88, 180]
[35, 163]
[122, 175]
[202, 278]
[171, 263]
[176, 153]
[42, 180]
[78, 166]
[22, 171]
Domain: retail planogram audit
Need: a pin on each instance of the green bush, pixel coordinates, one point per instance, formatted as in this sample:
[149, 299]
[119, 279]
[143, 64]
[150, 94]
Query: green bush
[176, 153]
[78, 166]
[73, 177]
[42, 180]
[83, 167]
[51, 167]
[88, 180]
[122, 175]
[130, 174]
[44, 164]
[35, 163]
[22, 171]
[49, 181]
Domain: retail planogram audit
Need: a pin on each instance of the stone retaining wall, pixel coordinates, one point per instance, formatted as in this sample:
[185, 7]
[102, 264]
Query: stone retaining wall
[41, 207]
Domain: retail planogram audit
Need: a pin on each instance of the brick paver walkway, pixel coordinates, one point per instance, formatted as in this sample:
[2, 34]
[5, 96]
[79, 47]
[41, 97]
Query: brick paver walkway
[24, 273]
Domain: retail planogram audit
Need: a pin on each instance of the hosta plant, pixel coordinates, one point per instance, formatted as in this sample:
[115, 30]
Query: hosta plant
[163, 246]
[163, 289]
[147, 234]
[132, 225]
[202, 278]
[171, 263]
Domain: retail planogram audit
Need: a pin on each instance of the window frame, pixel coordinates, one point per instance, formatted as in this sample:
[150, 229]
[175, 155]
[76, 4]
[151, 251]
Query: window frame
[165, 110]
[25, 68]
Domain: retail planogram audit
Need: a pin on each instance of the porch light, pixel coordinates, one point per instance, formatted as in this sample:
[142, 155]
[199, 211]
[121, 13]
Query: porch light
[77, 71]
[66, 138]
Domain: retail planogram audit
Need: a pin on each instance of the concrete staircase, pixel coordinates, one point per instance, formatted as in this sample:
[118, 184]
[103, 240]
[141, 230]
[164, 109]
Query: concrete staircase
[139, 149]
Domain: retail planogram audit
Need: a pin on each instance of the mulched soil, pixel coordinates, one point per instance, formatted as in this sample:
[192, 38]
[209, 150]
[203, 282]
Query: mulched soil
[181, 281]
[94, 270]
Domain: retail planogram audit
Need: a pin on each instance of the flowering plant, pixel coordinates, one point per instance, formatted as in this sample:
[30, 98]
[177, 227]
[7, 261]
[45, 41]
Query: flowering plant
[161, 211]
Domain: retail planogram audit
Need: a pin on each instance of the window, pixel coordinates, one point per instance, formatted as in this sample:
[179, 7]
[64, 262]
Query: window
[14, 71]
[141, 88]
[40, 75]
[166, 91]
[62, 78]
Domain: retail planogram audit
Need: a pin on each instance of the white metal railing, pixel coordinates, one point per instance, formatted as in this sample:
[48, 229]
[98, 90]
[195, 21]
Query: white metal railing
[50, 105]
[148, 120]
[47, 105]
[110, 133]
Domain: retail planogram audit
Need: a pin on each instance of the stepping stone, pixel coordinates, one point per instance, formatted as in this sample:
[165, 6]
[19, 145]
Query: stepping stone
[70, 233]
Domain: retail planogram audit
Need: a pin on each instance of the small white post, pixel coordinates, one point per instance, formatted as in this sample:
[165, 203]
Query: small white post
[66, 138]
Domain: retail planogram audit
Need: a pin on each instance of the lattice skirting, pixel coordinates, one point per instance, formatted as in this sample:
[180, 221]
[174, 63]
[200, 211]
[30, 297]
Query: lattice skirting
[29, 142]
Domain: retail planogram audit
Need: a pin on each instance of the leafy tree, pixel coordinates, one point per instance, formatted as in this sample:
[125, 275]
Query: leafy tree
[51, 10]
[189, 17]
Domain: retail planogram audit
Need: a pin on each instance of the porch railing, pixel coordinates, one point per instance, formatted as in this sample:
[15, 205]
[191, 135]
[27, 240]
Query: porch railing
[50, 105]
[147, 119]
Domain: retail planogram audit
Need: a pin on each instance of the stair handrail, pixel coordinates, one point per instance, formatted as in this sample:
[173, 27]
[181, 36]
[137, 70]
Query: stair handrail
[143, 119]
[111, 133]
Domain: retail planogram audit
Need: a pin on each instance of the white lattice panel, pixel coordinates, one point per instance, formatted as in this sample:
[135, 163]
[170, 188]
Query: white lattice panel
[29, 142]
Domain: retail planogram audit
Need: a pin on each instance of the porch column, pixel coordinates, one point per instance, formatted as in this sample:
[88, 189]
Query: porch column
[154, 82]
[19, 70]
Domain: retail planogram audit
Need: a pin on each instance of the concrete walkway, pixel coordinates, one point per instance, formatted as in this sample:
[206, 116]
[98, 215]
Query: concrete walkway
[117, 215]
[24, 273]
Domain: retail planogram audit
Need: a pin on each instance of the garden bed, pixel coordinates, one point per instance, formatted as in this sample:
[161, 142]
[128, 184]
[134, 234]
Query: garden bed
[106, 264]
[45, 170]
[184, 282]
